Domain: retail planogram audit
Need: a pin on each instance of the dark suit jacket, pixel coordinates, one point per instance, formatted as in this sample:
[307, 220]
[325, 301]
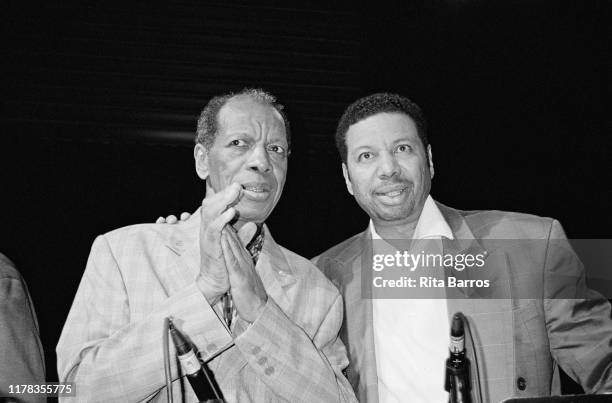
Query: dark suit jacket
[538, 313]
[21, 353]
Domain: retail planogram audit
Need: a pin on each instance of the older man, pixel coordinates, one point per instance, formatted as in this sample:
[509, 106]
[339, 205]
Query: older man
[265, 319]
[523, 326]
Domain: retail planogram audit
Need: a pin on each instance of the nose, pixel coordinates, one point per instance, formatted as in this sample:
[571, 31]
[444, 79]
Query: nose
[388, 166]
[259, 160]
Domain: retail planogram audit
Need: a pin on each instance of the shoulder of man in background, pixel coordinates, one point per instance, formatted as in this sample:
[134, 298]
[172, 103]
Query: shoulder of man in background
[20, 347]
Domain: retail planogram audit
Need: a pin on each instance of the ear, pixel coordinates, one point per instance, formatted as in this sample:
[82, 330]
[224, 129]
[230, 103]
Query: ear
[431, 164]
[347, 179]
[200, 154]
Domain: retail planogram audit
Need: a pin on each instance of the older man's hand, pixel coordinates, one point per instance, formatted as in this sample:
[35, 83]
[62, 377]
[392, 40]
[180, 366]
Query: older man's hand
[225, 261]
[217, 212]
[248, 292]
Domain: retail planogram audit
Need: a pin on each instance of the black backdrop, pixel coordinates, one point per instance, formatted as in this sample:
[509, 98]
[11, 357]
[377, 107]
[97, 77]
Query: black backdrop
[99, 104]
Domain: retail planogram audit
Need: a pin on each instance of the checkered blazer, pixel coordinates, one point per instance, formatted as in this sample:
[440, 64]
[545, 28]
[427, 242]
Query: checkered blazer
[111, 345]
[521, 341]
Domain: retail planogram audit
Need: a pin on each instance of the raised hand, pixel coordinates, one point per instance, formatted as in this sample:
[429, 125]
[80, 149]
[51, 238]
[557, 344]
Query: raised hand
[217, 212]
[225, 261]
[248, 292]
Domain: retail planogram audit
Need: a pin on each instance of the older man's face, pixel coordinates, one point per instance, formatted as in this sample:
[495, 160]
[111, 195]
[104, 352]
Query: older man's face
[387, 168]
[250, 148]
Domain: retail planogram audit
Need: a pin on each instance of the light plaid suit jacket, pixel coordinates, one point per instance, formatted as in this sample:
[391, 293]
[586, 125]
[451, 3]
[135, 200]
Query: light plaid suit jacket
[111, 344]
[520, 340]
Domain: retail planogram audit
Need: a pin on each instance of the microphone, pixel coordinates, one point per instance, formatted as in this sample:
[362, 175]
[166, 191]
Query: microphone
[196, 372]
[457, 382]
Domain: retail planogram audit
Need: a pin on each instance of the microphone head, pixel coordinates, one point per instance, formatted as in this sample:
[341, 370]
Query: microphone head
[457, 325]
[457, 339]
[180, 342]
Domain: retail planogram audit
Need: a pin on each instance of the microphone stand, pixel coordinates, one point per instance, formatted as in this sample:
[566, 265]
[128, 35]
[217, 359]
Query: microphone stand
[195, 371]
[457, 381]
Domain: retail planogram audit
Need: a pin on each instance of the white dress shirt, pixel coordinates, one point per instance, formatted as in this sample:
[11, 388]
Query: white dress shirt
[411, 336]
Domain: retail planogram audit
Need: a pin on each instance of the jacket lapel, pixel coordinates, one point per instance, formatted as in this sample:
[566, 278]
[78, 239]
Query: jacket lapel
[464, 243]
[275, 271]
[488, 310]
[183, 262]
[277, 278]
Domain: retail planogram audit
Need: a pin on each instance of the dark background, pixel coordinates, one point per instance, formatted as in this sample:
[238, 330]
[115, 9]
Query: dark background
[99, 103]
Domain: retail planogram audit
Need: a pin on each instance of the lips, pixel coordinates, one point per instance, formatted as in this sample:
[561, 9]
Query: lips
[394, 193]
[257, 187]
[391, 190]
[256, 190]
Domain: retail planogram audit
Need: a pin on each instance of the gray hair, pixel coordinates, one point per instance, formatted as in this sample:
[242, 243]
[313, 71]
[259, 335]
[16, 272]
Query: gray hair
[208, 123]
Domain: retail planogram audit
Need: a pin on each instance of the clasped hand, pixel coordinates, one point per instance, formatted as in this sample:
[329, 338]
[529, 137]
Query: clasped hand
[225, 263]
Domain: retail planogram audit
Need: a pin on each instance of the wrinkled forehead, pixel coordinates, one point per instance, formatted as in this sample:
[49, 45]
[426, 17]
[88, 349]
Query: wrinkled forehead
[243, 112]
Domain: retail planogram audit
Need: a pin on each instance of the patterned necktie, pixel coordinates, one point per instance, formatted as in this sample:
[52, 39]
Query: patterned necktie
[254, 247]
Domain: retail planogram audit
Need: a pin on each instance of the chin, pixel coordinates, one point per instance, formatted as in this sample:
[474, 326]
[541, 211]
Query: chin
[400, 213]
[397, 217]
[252, 215]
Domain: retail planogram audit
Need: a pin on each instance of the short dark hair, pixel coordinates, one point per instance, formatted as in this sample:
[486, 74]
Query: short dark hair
[208, 122]
[374, 104]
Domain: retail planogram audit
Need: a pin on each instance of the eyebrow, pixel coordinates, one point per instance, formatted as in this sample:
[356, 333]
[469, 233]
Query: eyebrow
[246, 133]
[400, 140]
[237, 132]
[362, 148]
[404, 140]
[279, 141]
